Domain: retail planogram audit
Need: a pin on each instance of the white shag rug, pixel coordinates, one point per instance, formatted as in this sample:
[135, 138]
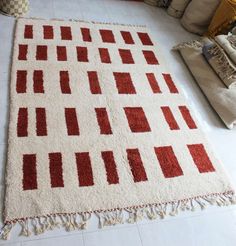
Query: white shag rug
[98, 125]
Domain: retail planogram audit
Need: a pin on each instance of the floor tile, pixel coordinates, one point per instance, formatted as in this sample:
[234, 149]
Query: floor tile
[171, 233]
[2, 191]
[211, 229]
[3, 120]
[67, 11]
[3, 150]
[57, 241]
[41, 9]
[12, 244]
[115, 237]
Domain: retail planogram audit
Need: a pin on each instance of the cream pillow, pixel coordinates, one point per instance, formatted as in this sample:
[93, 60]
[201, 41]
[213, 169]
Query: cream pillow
[198, 15]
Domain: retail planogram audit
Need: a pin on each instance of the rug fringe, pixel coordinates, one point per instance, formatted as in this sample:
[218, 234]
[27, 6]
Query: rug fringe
[190, 44]
[79, 221]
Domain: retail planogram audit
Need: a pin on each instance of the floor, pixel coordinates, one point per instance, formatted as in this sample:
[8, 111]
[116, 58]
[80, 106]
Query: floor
[214, 226]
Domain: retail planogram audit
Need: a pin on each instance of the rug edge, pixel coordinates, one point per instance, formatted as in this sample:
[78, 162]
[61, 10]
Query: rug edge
[110, 217]
[83, 21]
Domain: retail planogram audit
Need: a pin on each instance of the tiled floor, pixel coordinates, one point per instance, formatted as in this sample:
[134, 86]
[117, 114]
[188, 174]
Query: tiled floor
[215, 226]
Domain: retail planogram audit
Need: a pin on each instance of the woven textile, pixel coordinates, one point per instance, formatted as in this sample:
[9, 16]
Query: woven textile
[221, 63]
[221, 98]
[97, 124]
[14, 7]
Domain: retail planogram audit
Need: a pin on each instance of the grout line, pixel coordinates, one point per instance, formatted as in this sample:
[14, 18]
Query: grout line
[140, 237]
[53, 9]
[83, 238]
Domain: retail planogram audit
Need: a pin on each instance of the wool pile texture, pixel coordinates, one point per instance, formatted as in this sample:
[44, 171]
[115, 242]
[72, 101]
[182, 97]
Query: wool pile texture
[98, 125]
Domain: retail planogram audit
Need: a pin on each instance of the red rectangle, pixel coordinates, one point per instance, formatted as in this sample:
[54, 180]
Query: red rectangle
[28, 34]
[200, 158]
[29, 172]
[84, 169]
[94, 82]
[86, 34]
[126, 56]
[153, 83]
[169, 118]
[48, 32]
[187, 117]
[137, 119]
[61, 53]
[71, 121]
[66, 33]
[41, 123]
[82, 54]
[65, 82]
[103, 121]
[38, 81]
[55, 167]
[127, 37]
[136, 165]
[104, 55]
[168, 162]
[124, 83]
[145, 39]
[22, 122]
[150, 57]
[23, 51]
[110, 165]
[170, 83]
[21, 81]
[107, 36]
[42, 52]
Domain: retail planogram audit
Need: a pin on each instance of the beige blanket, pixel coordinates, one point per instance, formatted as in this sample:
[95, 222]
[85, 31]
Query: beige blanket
[220, 97]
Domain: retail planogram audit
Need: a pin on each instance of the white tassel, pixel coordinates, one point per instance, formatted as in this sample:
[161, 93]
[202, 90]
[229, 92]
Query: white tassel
[161, 210]
[174, 209]
[151, 214]
[192, 205]
[5, 232]
[24, 228]
[233, 199]
[135, 215]
[100, 223]
[69, 225]
[211, 201]
[201, 203]
[53, 222]
[37, 227]
[84, 220]
[184, 205]
[110, 218]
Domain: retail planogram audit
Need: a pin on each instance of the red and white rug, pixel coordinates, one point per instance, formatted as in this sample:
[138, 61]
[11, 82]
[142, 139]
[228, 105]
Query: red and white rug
[98, 125]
